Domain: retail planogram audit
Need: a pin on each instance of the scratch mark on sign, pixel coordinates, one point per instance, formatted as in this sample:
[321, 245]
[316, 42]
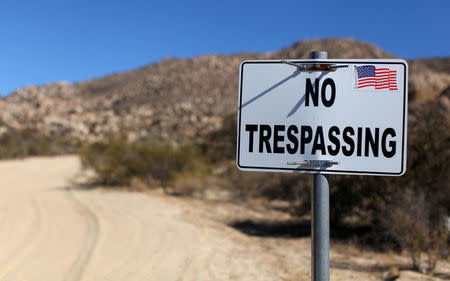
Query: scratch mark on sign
[293, 75]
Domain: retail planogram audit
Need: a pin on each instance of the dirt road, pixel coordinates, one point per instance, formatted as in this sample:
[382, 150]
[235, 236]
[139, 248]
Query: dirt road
[50, 230]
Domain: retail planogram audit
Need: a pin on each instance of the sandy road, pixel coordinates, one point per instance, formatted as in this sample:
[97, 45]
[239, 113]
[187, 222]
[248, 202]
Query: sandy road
[50, 231]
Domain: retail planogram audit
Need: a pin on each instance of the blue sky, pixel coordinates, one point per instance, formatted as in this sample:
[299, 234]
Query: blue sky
[44, 41]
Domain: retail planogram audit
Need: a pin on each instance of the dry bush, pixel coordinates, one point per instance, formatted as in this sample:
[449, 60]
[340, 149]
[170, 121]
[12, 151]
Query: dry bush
[16, 143]
[418, 226]
[109, 160]
[220, 145]
[116, 161]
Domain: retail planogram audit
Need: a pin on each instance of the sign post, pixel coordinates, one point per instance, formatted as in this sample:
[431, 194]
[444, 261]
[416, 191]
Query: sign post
[320, 223]
[322, 116]
[320, 229]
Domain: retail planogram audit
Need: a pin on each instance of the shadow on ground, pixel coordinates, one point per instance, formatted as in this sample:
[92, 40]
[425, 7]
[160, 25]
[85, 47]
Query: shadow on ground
[294, 229]
[286, 229]
[84, 186]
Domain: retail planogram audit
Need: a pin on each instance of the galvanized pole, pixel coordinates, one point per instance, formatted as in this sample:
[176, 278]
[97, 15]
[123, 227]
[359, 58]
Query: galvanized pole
[320, 226]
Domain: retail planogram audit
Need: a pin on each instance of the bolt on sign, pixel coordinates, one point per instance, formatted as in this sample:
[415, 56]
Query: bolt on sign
[323, 116]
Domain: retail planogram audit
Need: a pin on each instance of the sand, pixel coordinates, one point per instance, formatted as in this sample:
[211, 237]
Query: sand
[53, 230]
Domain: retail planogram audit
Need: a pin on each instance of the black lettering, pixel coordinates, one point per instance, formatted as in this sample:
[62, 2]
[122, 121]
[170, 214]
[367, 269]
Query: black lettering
[359, 142]
[265, 132]
[305, 139]
[277, 138]
[372, 142]
[313, 92]
[347, 133]
[319, 142]
[251, 129]
[292, 149]
[388, 153]
[329, 102]
[332, 137]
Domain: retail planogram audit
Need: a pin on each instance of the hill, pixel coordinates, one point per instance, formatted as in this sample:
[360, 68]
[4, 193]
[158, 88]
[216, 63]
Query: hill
[178, 99]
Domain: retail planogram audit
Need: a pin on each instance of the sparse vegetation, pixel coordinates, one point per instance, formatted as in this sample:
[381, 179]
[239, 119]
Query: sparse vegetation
[116, 161]
[22, 143]
[418, 226]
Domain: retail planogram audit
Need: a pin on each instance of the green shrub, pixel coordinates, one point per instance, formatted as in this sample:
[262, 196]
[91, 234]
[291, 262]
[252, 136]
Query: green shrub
[12, 145]
[117, 161]
[16, 143]
[108, 160]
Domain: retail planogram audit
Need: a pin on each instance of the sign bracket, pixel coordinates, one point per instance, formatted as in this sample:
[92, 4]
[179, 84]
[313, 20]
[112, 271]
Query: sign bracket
[315, 66]
[314, 163]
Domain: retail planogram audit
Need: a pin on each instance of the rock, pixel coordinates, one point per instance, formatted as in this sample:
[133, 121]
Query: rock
[392, 274]
[3, 130]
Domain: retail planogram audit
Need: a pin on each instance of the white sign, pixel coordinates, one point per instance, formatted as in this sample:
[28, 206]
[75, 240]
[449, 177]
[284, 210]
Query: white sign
[313, 117]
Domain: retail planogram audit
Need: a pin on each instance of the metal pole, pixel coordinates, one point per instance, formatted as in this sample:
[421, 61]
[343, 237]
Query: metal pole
[320, 225]
[320, 229]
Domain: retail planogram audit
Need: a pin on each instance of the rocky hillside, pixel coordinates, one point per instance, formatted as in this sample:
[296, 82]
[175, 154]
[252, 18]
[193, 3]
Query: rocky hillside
[178, 99]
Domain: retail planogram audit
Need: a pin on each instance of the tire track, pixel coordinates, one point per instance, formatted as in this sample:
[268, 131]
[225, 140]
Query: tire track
[125, 266]
[29, 241]
[169, 253]
[4, 211]
[153, 245]
[77, 269]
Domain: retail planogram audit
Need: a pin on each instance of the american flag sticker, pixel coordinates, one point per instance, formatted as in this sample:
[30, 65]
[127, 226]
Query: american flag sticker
[370, 77]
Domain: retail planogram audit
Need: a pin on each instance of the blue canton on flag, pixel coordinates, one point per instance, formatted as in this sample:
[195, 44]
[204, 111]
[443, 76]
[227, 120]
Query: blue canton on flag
[365, 71]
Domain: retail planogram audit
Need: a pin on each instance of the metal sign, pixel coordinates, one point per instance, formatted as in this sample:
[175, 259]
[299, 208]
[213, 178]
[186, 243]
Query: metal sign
[323, 116]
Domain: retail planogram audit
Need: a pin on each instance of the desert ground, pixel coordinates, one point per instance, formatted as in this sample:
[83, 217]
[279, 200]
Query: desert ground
[54, 229]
